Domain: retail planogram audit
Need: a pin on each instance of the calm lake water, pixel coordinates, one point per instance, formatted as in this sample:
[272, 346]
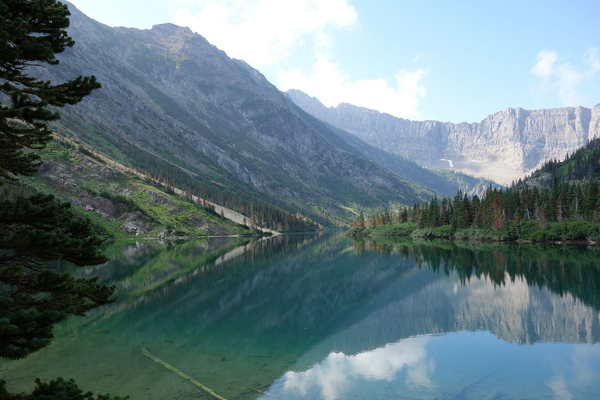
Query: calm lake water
[322, 317]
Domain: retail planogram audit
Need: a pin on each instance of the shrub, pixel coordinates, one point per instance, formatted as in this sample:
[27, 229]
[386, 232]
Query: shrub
[404, 229]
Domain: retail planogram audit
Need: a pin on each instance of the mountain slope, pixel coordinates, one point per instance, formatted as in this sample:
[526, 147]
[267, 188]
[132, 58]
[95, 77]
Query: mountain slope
[504, 146]
[578, 167]
[170, 93]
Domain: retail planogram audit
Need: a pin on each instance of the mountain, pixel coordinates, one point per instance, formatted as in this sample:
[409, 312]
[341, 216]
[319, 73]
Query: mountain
[170, 96]
[446, 182]
[503, 147]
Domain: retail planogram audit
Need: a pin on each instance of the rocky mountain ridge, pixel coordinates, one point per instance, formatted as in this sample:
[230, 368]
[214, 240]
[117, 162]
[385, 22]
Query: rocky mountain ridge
[503, 147]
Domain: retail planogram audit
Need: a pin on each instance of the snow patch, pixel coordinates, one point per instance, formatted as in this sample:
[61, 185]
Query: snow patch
[449, 162]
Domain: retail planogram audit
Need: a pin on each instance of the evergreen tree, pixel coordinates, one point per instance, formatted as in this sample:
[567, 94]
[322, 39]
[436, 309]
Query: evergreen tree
[387, 217]
[446, 211]
[361, 220]
[433, 219]
[38, 229]
[423, 216]
[464, 215]
[403, 215]
[517, 222]
[31, 33]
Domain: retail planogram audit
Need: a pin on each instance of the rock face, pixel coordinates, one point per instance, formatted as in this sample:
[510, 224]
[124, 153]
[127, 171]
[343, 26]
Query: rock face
[175, 96]
[504, 146]
[66, 178]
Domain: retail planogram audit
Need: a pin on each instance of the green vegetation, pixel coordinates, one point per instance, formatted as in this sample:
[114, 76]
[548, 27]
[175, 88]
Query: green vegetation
[581, 165]
[565, 212]
[161, 207]
[56, 389]
[559, 202]
[404, 229]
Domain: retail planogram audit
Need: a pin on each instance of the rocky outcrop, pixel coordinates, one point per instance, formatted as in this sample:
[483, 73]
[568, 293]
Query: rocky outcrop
[207, 226]
[504, 146]
[66, 178]
[136, 222]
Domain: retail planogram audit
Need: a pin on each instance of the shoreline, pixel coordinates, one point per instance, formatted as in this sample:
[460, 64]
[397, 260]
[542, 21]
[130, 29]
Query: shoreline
[262, 235]
[190, 237]
[474, 239]
[563, 233]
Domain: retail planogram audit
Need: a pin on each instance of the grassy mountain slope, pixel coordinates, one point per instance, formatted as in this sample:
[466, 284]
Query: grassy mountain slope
[120, 204]
[169, 94]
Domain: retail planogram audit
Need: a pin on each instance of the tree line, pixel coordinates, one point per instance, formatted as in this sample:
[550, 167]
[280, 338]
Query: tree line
[514, 209]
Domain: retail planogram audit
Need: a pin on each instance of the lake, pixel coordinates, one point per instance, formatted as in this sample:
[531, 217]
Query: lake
[323, 317]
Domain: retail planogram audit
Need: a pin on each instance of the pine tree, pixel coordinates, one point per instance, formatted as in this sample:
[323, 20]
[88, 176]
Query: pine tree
[38, 229]
[56, 389]
[559, 208]
[403, 216]
[464, 216]
[446, 211]
[433, 218]
[517, 222]
[31, 33]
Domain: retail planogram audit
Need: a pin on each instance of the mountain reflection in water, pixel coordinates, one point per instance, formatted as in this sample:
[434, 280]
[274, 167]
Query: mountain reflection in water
[320, 316]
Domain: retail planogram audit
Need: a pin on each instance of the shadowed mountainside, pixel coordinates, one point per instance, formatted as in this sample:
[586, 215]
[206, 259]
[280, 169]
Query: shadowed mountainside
[168, 92]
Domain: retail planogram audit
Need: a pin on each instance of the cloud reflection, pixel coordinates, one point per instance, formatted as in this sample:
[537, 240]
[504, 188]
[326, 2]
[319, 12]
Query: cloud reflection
[334, 374]
[560, 389]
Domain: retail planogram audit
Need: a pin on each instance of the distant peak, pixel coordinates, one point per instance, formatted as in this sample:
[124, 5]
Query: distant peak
[299, 93]
[169, 27]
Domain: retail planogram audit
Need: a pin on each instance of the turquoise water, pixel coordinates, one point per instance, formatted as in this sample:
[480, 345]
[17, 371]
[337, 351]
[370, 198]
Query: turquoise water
[321, 317]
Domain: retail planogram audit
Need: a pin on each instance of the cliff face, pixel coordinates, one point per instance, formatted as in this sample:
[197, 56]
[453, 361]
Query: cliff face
[504, 146]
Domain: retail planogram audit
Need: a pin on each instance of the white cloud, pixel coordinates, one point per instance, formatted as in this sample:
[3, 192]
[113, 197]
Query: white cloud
[333, 375]
[331, 86]
[545, 64]
[262, 32]
[594, 60]
[565, 78]
[269, 33]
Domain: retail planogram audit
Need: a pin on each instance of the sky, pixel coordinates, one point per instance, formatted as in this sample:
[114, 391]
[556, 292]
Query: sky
[453, 61]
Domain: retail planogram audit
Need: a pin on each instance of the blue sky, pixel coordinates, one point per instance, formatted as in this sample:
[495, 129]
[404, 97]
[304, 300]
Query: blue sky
[441, 60]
